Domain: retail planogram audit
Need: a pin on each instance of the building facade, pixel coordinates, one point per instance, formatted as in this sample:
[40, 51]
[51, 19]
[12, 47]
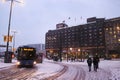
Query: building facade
[98, 36]
[112, 36]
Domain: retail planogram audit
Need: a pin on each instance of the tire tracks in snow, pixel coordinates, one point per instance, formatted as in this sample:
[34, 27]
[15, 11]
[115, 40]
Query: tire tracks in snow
[74, 72]
[62, 71]
[14, 73]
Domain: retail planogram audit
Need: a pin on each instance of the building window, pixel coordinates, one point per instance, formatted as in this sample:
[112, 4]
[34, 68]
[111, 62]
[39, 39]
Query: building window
[100, 32]
[114, 36]
[118, 28]
[110, 32]
[118, 40]
[110, 28]
[90, 34]
[106, 29]
[114, 32]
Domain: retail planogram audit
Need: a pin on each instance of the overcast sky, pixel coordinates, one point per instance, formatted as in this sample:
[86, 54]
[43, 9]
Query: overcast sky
[36, 17]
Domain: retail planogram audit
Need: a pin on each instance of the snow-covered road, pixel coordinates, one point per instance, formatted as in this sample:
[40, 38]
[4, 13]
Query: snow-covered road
[74, 72]
[108, 70]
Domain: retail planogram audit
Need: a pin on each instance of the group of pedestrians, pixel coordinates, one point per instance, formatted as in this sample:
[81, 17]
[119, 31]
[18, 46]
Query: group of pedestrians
[95, 60]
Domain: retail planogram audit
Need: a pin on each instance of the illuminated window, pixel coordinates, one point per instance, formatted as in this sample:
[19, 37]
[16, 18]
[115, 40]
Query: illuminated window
[110, 32]
[119, 40]
[110, 28]
[100, 32]
[114, 32]
[114, 36]
[118, 28]
[106, 29]
[90, 34]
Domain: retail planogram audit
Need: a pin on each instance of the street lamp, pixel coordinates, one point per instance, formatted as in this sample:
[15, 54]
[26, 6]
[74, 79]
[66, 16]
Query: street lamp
[14, 32]
[9, 24]
[78, 53]
[71, 51]
[60, 47]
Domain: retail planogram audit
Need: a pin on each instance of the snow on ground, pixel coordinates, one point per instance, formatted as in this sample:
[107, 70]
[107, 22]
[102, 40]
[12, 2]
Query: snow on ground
[45, 70]
[3, 65]
[108, 69]
[113, 67]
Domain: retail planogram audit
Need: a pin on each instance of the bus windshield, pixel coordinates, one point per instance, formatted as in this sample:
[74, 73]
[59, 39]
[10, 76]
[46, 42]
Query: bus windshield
[26, 53]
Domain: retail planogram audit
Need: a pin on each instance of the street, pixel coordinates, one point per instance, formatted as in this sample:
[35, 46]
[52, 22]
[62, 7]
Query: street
[51, 70]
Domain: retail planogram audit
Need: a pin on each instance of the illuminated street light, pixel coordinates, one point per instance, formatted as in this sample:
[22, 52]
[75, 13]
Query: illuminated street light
[11, 5]
[79, 50]
[78, 53]
[70, 49]
[119, 40]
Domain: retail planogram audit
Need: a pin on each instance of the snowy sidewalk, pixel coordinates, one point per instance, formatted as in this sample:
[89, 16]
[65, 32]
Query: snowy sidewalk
[108, 70]
[3, 65]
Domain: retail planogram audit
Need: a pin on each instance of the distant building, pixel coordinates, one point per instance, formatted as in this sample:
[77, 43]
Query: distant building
[3, 48]
[99, 36]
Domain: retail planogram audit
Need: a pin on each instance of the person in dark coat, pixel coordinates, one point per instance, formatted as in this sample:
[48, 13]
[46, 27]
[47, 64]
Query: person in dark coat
[89, 61]
[95, 62]
[98, 60]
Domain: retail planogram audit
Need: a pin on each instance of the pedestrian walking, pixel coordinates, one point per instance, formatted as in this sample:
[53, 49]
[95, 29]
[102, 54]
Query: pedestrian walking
[89, 62]
[98, 60]
[95, 62]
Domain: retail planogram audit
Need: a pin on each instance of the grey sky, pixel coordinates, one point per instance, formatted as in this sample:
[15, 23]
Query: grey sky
[36, 17]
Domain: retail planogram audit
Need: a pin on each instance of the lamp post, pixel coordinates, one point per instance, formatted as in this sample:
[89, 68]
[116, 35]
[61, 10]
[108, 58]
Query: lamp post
[9, 24]
[14, 32]
[8, 34]
[7, 56]
[71, 52]
[97, 26]
[60, 47]
[79, 53]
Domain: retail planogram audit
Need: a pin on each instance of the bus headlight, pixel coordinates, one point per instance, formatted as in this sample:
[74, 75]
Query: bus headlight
[18, 63]
[34, 62]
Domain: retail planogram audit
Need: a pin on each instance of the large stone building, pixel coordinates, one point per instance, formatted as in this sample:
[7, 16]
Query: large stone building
[98, 36]
[112, 36]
